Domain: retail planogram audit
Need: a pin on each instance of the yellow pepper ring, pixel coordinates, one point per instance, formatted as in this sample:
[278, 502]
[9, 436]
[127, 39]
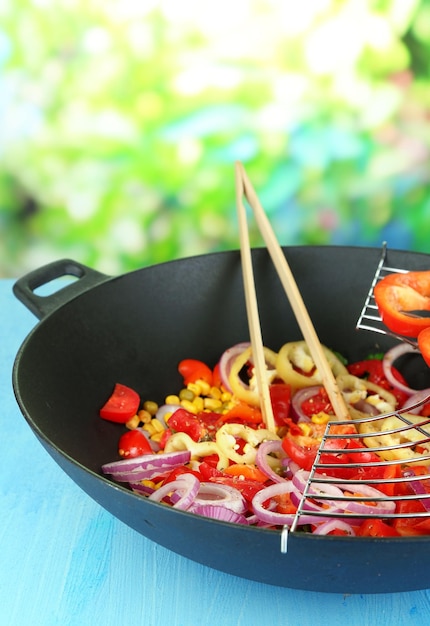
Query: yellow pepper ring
[227, 444]
[295, 356]
[378, 440]
[239, 389]
[182, 441]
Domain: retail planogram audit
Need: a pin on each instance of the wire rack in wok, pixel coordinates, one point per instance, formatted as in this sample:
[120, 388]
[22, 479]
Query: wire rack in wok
[400, 438]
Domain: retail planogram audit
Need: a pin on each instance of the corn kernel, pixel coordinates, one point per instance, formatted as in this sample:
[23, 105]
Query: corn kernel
[133, 422]
[172, 399]
[199, 403]
[144, 416]
[150, 406]
[148, 483]
[212, 404]
[204, 386]
[320, 418]
[195, 389]
[157, 436]
[215, 393]
[189, 406]
[157, 425]
[226, 396]
[149, 428]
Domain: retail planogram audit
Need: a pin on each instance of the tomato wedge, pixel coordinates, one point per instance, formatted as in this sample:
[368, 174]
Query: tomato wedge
[122, 404]
[133, 443]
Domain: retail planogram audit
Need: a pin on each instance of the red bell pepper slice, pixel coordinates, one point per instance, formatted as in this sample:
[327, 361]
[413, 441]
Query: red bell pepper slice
[397, 294]
[280, 396]
[424, 344]
[193, 370]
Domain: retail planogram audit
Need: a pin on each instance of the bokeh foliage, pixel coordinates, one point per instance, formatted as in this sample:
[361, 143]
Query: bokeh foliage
[121, 121]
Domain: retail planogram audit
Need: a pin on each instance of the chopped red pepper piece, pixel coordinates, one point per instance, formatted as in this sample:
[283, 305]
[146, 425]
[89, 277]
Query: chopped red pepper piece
[397, 295]
[193, 370]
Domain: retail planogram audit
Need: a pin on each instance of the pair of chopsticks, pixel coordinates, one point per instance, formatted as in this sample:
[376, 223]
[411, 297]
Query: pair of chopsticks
[245, 189]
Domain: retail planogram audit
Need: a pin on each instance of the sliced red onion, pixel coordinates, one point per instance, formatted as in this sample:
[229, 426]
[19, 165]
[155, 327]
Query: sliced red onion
[363, 507]
[146, 466]
[265, 448]
[297, 400]
[186, 485]
[214, 494]
[334, 524]
[390, 357]
[221, 513]
[418, 488]
[226, 361]
[273, 517]
[415, 402]
[143, 490]
[300, 480]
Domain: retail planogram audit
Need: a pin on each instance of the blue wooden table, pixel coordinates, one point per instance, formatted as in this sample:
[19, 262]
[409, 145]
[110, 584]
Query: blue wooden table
[67, 562]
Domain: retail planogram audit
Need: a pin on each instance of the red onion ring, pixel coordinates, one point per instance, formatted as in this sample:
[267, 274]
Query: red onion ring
[265, 448]
[416, 401]
[363, 507]
[418, 488]
[334, 524]
[213, 494]
[218, 512]
[186, 485]
[388, 361]
[273, 517]
[146, 466]
[227, 359]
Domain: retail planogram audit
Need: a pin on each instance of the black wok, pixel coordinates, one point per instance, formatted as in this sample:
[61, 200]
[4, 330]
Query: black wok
[134, 329]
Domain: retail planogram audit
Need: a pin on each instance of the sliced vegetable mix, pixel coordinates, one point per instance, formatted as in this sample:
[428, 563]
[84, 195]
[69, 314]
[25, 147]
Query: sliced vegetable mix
[206, 449]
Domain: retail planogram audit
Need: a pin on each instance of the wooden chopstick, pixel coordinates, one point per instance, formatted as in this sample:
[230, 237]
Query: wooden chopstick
[252, 308]
[294, 296]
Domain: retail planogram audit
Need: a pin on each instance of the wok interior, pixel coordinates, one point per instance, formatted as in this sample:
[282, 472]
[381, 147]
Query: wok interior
[135, 328]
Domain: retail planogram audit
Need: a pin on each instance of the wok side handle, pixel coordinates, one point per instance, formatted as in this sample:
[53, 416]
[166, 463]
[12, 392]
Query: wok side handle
[43, 305]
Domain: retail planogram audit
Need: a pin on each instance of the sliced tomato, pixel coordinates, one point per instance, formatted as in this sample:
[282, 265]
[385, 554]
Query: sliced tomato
[193, 370]
[318, 403]
[133, 443]
[178, 471]
[248, 488]
[411, 526]
[376, 528]
[122, 404]
[185, 422]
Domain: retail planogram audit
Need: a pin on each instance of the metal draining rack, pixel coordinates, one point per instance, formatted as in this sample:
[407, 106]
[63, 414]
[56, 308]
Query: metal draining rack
[400, 438]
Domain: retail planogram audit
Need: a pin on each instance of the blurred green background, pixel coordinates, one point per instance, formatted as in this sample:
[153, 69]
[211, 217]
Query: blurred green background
[120, 122]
